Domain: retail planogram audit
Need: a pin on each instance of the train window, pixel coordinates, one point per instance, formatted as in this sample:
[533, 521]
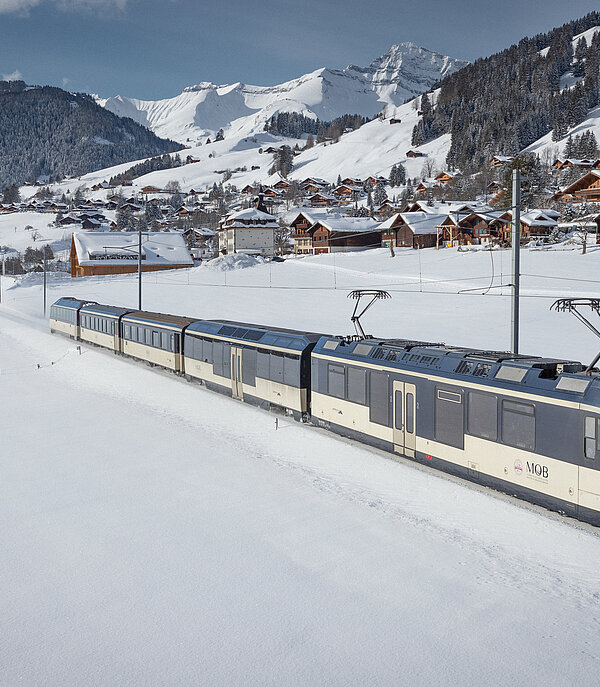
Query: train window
[165, 343]
[379, 398]
[262, 364]
[482, 414]
[218, 358]
[249, 366]
[291, 370]
[518, 424]
[410, 413]
[276, 367]
[336, 381]
[207, 350]
[357, 387]
[590, 438]
[126, 331]
[398, 423]
[449, 417]
[156, 339]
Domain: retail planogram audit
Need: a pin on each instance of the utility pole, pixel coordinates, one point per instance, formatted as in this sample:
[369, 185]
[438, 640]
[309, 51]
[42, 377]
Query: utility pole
[45, 270]
[3, 273]
[139, 266]
[516, 257]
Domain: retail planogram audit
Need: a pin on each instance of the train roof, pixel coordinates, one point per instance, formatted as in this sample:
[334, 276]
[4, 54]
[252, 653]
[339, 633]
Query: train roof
[70, 302]
[161, 319]
[497, 367]
[255, 333]
[102, 309]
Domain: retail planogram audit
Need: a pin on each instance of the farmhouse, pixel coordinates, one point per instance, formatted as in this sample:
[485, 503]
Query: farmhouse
[113, 252]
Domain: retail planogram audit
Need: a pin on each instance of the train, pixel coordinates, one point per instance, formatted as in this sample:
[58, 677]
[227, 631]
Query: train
[524, 425]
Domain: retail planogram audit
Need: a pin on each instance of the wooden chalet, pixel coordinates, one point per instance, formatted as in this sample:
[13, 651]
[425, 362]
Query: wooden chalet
[151, 189]
[586, 188]
[282, 185]
[322, 200]
[393, 120]
[300, 226]
[500, 160]
[189, 160]
[444, 177]
[415, 153]
[349, 181]
[248, 189]
[338, 234]
[346, 193]
[115, 252]
[560, 165]
[410, 230]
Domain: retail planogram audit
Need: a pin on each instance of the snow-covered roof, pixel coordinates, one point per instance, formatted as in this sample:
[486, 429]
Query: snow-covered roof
[250, 214]
[422, 222]
[348, 224]
[158, 248]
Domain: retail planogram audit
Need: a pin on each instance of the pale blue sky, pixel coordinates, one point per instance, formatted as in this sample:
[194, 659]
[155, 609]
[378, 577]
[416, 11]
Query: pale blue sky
[154, 48]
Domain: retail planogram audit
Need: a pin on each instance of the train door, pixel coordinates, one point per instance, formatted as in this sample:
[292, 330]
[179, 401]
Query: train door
[404, 402]
[237, 390]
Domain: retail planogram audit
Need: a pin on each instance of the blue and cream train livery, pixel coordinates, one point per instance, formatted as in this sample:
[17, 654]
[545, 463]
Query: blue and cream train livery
[525, 425]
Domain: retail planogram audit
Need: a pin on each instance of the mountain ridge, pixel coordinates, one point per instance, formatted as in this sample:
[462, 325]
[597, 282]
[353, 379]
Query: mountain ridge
[200, 110]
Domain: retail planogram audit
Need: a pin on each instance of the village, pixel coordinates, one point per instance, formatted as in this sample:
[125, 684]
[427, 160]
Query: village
[309, 216]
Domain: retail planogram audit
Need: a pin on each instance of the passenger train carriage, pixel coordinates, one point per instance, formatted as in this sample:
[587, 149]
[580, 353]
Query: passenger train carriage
[266, 366]
[524, 425]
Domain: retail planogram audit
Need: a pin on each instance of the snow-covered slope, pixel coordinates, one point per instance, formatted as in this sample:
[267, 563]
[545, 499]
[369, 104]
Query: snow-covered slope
[372, 149]
[405, 71]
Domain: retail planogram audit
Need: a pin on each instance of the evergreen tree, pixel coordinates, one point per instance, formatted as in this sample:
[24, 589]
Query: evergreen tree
[379, 194]
[11, 194]
[220, 135]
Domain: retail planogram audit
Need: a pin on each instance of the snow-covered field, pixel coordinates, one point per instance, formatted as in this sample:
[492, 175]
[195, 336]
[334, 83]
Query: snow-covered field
[159, 534]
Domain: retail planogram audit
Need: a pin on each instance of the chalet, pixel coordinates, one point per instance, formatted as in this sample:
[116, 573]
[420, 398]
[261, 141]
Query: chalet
[320, 199]
[377, 180]
[415, 153]
[560, 165]
[444, 177]
[500, 160]
[534, 224]
[314, 180]
[189, 160]
[349, 181]
[249, 231]
[347, 193]
[248, 189]
[272, 193]
[338, 234]
[586, 188]
[146, 190]
[282, 185]
[115, 252]
[68, 219]
[300, 225]
[425, 188]
[411, 230]
[393, 120]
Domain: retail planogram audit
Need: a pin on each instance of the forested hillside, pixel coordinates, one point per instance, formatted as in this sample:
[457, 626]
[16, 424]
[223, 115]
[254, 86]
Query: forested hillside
[503, 103]
[48, 131]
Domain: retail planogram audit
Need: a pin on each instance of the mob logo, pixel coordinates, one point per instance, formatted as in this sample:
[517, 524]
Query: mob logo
[537, 470]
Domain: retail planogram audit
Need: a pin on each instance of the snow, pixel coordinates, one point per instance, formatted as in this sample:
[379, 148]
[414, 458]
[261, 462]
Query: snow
[158, 533]
[14, 234]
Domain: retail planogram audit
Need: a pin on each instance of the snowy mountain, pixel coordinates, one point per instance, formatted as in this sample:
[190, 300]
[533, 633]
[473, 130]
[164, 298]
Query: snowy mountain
[406, 70]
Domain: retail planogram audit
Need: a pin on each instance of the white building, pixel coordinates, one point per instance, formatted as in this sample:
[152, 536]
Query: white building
[250, 231]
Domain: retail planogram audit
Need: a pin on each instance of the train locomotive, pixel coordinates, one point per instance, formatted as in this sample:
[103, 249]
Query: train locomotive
[524, 425]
